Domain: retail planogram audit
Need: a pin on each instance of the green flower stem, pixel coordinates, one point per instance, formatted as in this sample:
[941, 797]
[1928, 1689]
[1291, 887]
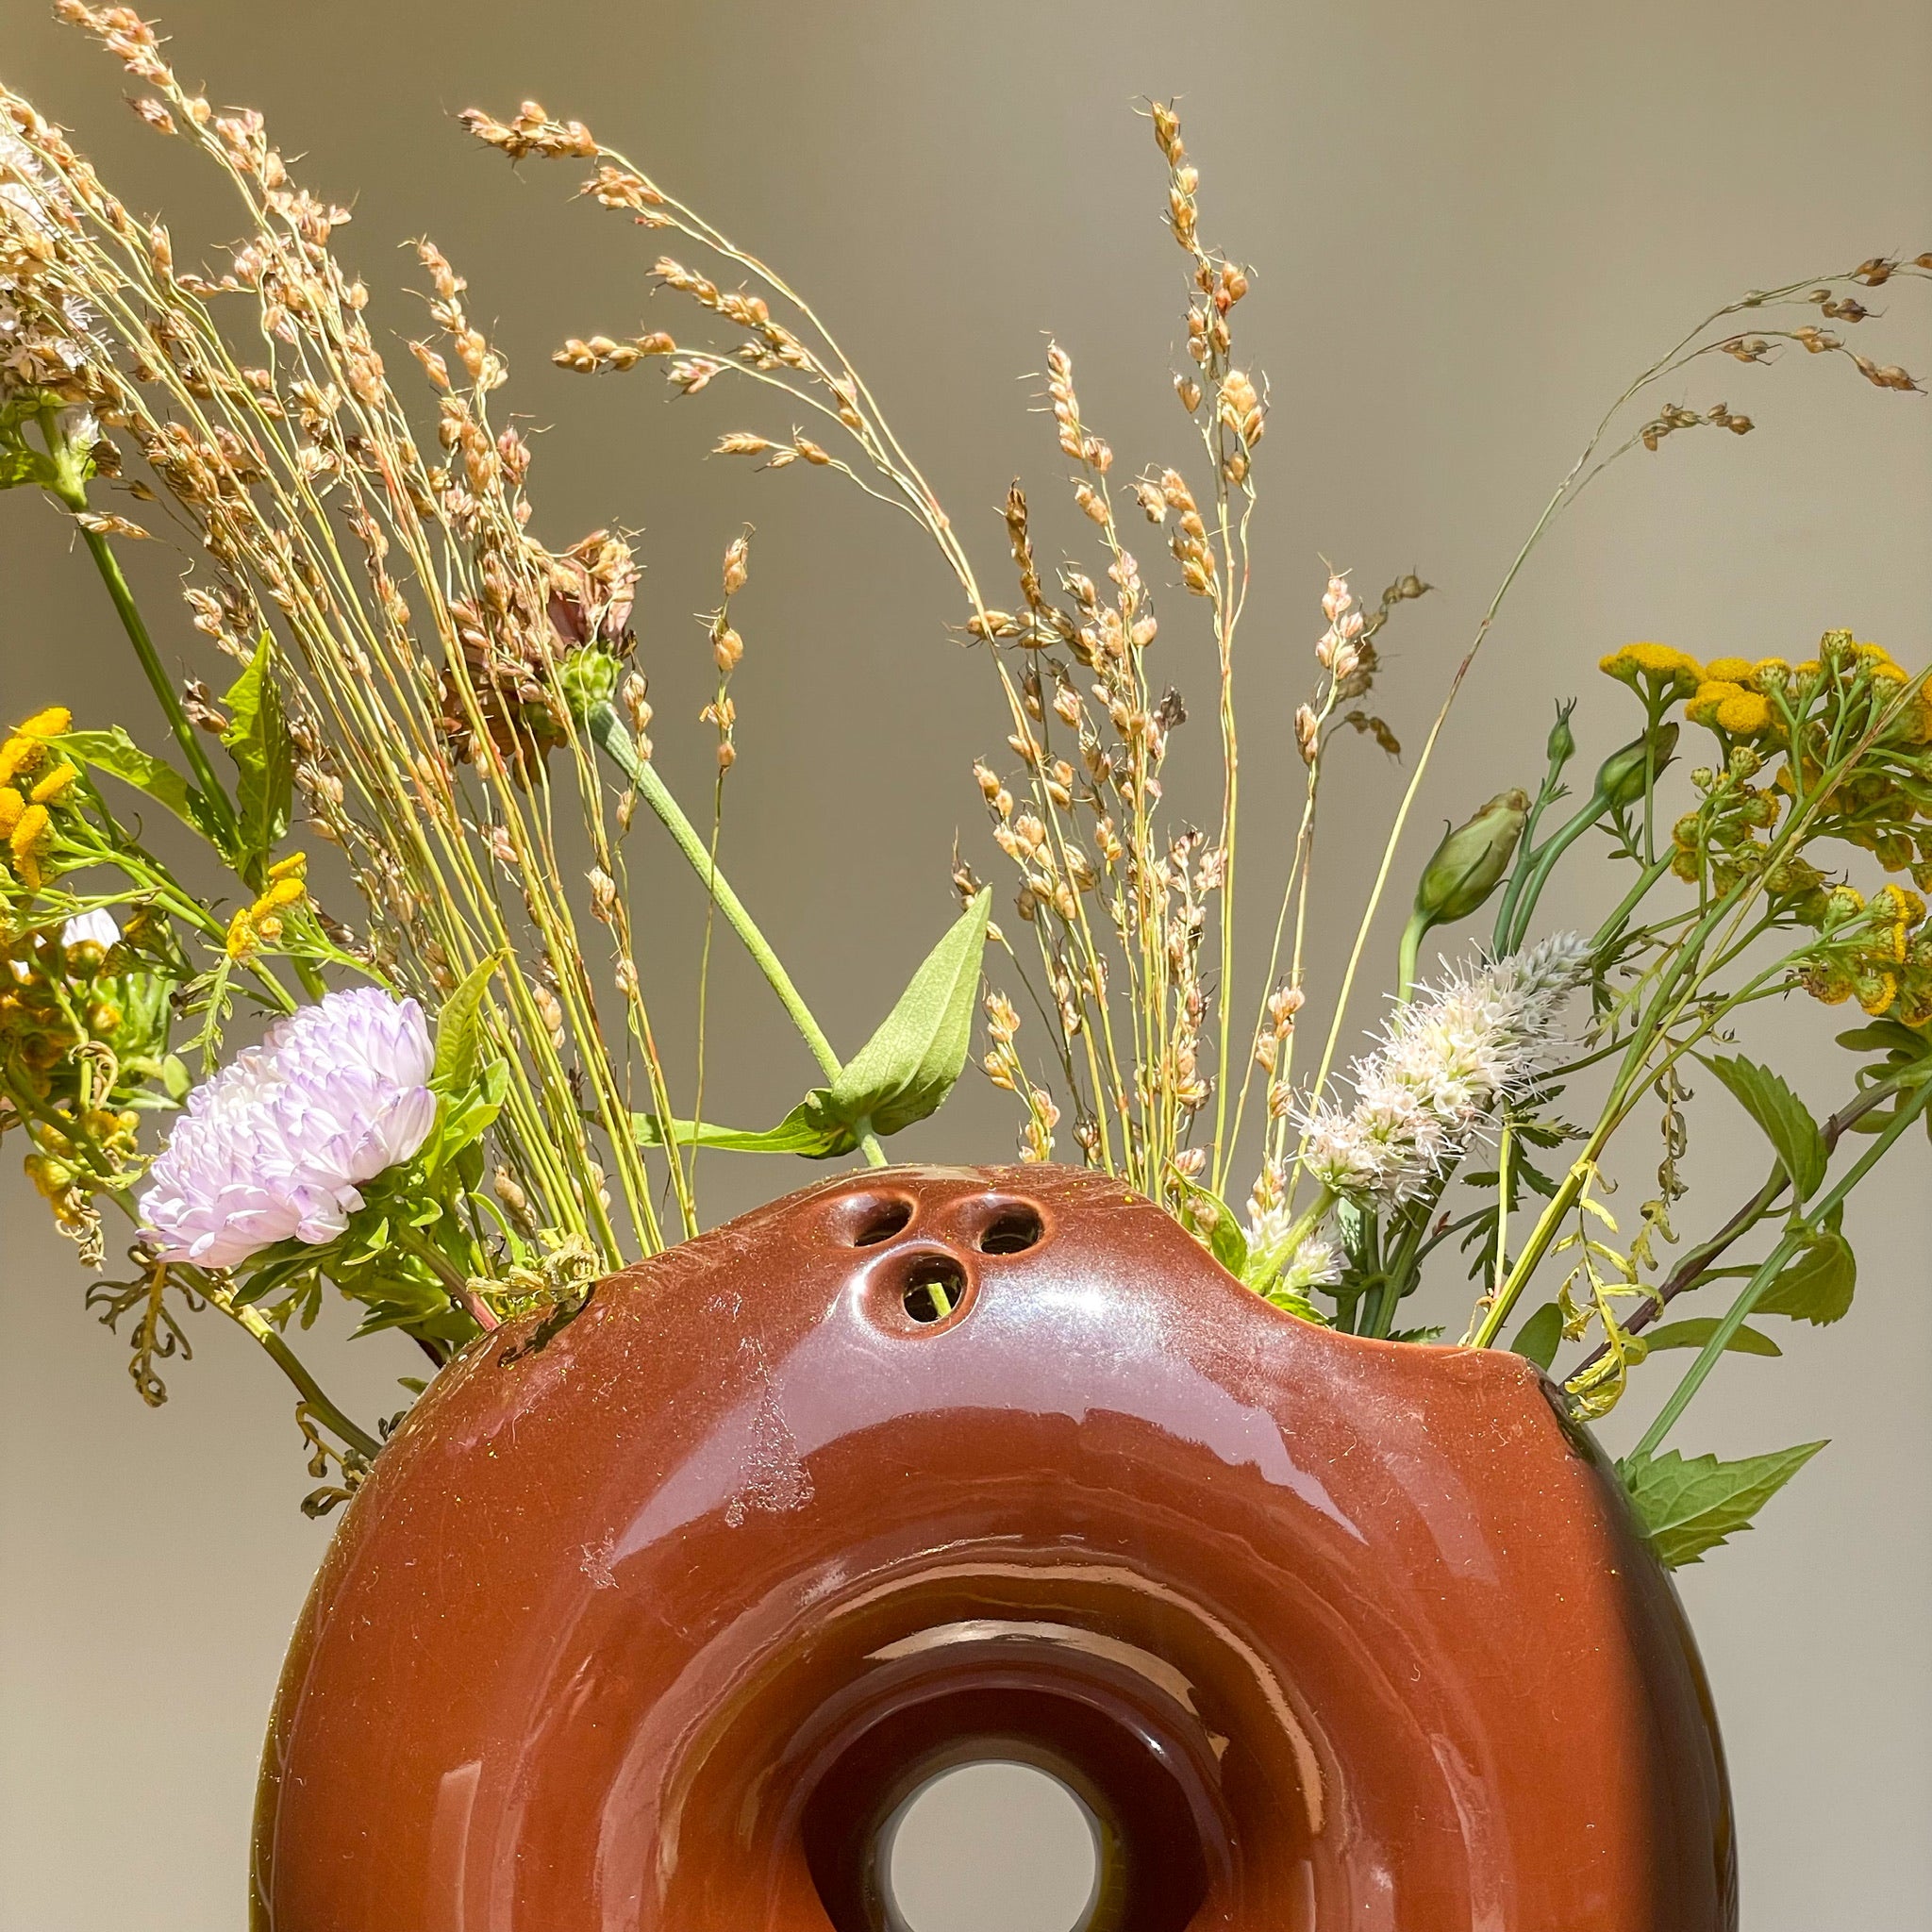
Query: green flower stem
[1413, 934]
[1518, 908]
[1691, 1271]
[608, 732]
[278, 1350]
[1773, 1265]
[1613, 928]
[67, 487]
[439, 1264]
[291, 1365]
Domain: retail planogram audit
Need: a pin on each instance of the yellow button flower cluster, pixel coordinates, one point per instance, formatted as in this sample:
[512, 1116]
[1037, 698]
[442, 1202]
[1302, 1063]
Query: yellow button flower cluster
[260, 923]
[33, 779]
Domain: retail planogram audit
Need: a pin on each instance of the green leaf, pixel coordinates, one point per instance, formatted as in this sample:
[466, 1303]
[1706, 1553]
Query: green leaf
[1887, 1036]
[115, 752]
[1204, 1213]
[176, 1078]
[1816, 1285]
[1786, 1120]
[468, 1115]
[460, 1029]
[904, 1071]
[258, 742]
[808, 1129]
[1688, 1507]
[1539, 1337]
[19, 465]
[1695, 1332]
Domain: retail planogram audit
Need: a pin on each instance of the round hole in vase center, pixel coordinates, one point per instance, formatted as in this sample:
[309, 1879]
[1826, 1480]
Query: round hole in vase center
[991, 1843]
[933, 1288]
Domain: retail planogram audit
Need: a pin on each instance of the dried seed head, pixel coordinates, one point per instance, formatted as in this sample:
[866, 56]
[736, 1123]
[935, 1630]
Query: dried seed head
[531, 132]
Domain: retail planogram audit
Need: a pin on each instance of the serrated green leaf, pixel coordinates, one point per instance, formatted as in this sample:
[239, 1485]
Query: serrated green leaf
[258, 742]
[809, 1129]
[903, 1073]
[1698, 1329]
[1539, 1337]
[1817, 1284]
[460, 1029]
[1688, 1507]
[1786, 1120]
[114, 752]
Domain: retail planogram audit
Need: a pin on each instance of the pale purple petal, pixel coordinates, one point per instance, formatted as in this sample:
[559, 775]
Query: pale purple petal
[275, 1146]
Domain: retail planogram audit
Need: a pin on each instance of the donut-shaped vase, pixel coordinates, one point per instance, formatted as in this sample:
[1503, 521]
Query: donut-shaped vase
[650, 1624]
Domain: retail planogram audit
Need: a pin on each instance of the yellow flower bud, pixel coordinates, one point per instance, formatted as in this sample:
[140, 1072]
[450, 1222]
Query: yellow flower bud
[28, 842]
[54, 784]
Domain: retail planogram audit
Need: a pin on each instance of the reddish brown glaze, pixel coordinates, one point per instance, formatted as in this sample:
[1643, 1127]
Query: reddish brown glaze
[652, 1626]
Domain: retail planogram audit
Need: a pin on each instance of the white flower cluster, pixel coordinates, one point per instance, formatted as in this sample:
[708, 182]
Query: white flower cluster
[1316, 1263]
[1447, 1061]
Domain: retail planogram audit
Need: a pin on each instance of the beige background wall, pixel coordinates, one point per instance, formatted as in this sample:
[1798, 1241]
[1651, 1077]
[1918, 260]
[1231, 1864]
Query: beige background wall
[1472, 223]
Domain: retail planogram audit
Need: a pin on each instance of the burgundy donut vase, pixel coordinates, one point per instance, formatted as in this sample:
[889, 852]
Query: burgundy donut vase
[649, 1624]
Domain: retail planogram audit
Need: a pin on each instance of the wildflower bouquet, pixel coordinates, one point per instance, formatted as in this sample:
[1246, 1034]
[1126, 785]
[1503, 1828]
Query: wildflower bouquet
[338, 988]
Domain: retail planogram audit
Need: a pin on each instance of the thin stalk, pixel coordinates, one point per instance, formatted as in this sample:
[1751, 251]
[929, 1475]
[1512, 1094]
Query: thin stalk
[1504, 1146]
[439, 1264]
[291, 1365]
[1773, 1264]
[68, 489]
[608, 732]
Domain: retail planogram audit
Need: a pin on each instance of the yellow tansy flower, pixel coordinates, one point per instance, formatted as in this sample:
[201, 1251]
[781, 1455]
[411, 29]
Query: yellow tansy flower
[243, 938]
[54, 784]
[1659, 668]
[1876, 990]
[1727, 670]
[1729, 708]
[48, 723]
[28, 842]
[19, 756]
[1902, 911]
[262, 921]
[11, 806]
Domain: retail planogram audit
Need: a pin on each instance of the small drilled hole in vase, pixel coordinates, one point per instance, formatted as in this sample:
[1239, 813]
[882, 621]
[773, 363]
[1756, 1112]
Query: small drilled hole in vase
[933, 1288]
[880, 1221]
[1016, 1229]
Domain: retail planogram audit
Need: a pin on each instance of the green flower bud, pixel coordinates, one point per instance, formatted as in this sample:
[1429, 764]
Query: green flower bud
[588, 678]
[1620, 779]
[1562, 745]
[1472, 861]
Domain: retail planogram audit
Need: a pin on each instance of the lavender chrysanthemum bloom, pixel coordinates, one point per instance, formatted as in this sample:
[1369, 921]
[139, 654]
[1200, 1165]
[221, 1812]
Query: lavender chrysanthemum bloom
[1448, 1060]
[277, 1143]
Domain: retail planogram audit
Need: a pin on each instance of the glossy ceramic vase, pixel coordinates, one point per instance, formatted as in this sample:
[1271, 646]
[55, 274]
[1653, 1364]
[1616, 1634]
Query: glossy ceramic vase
[651, 1625]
